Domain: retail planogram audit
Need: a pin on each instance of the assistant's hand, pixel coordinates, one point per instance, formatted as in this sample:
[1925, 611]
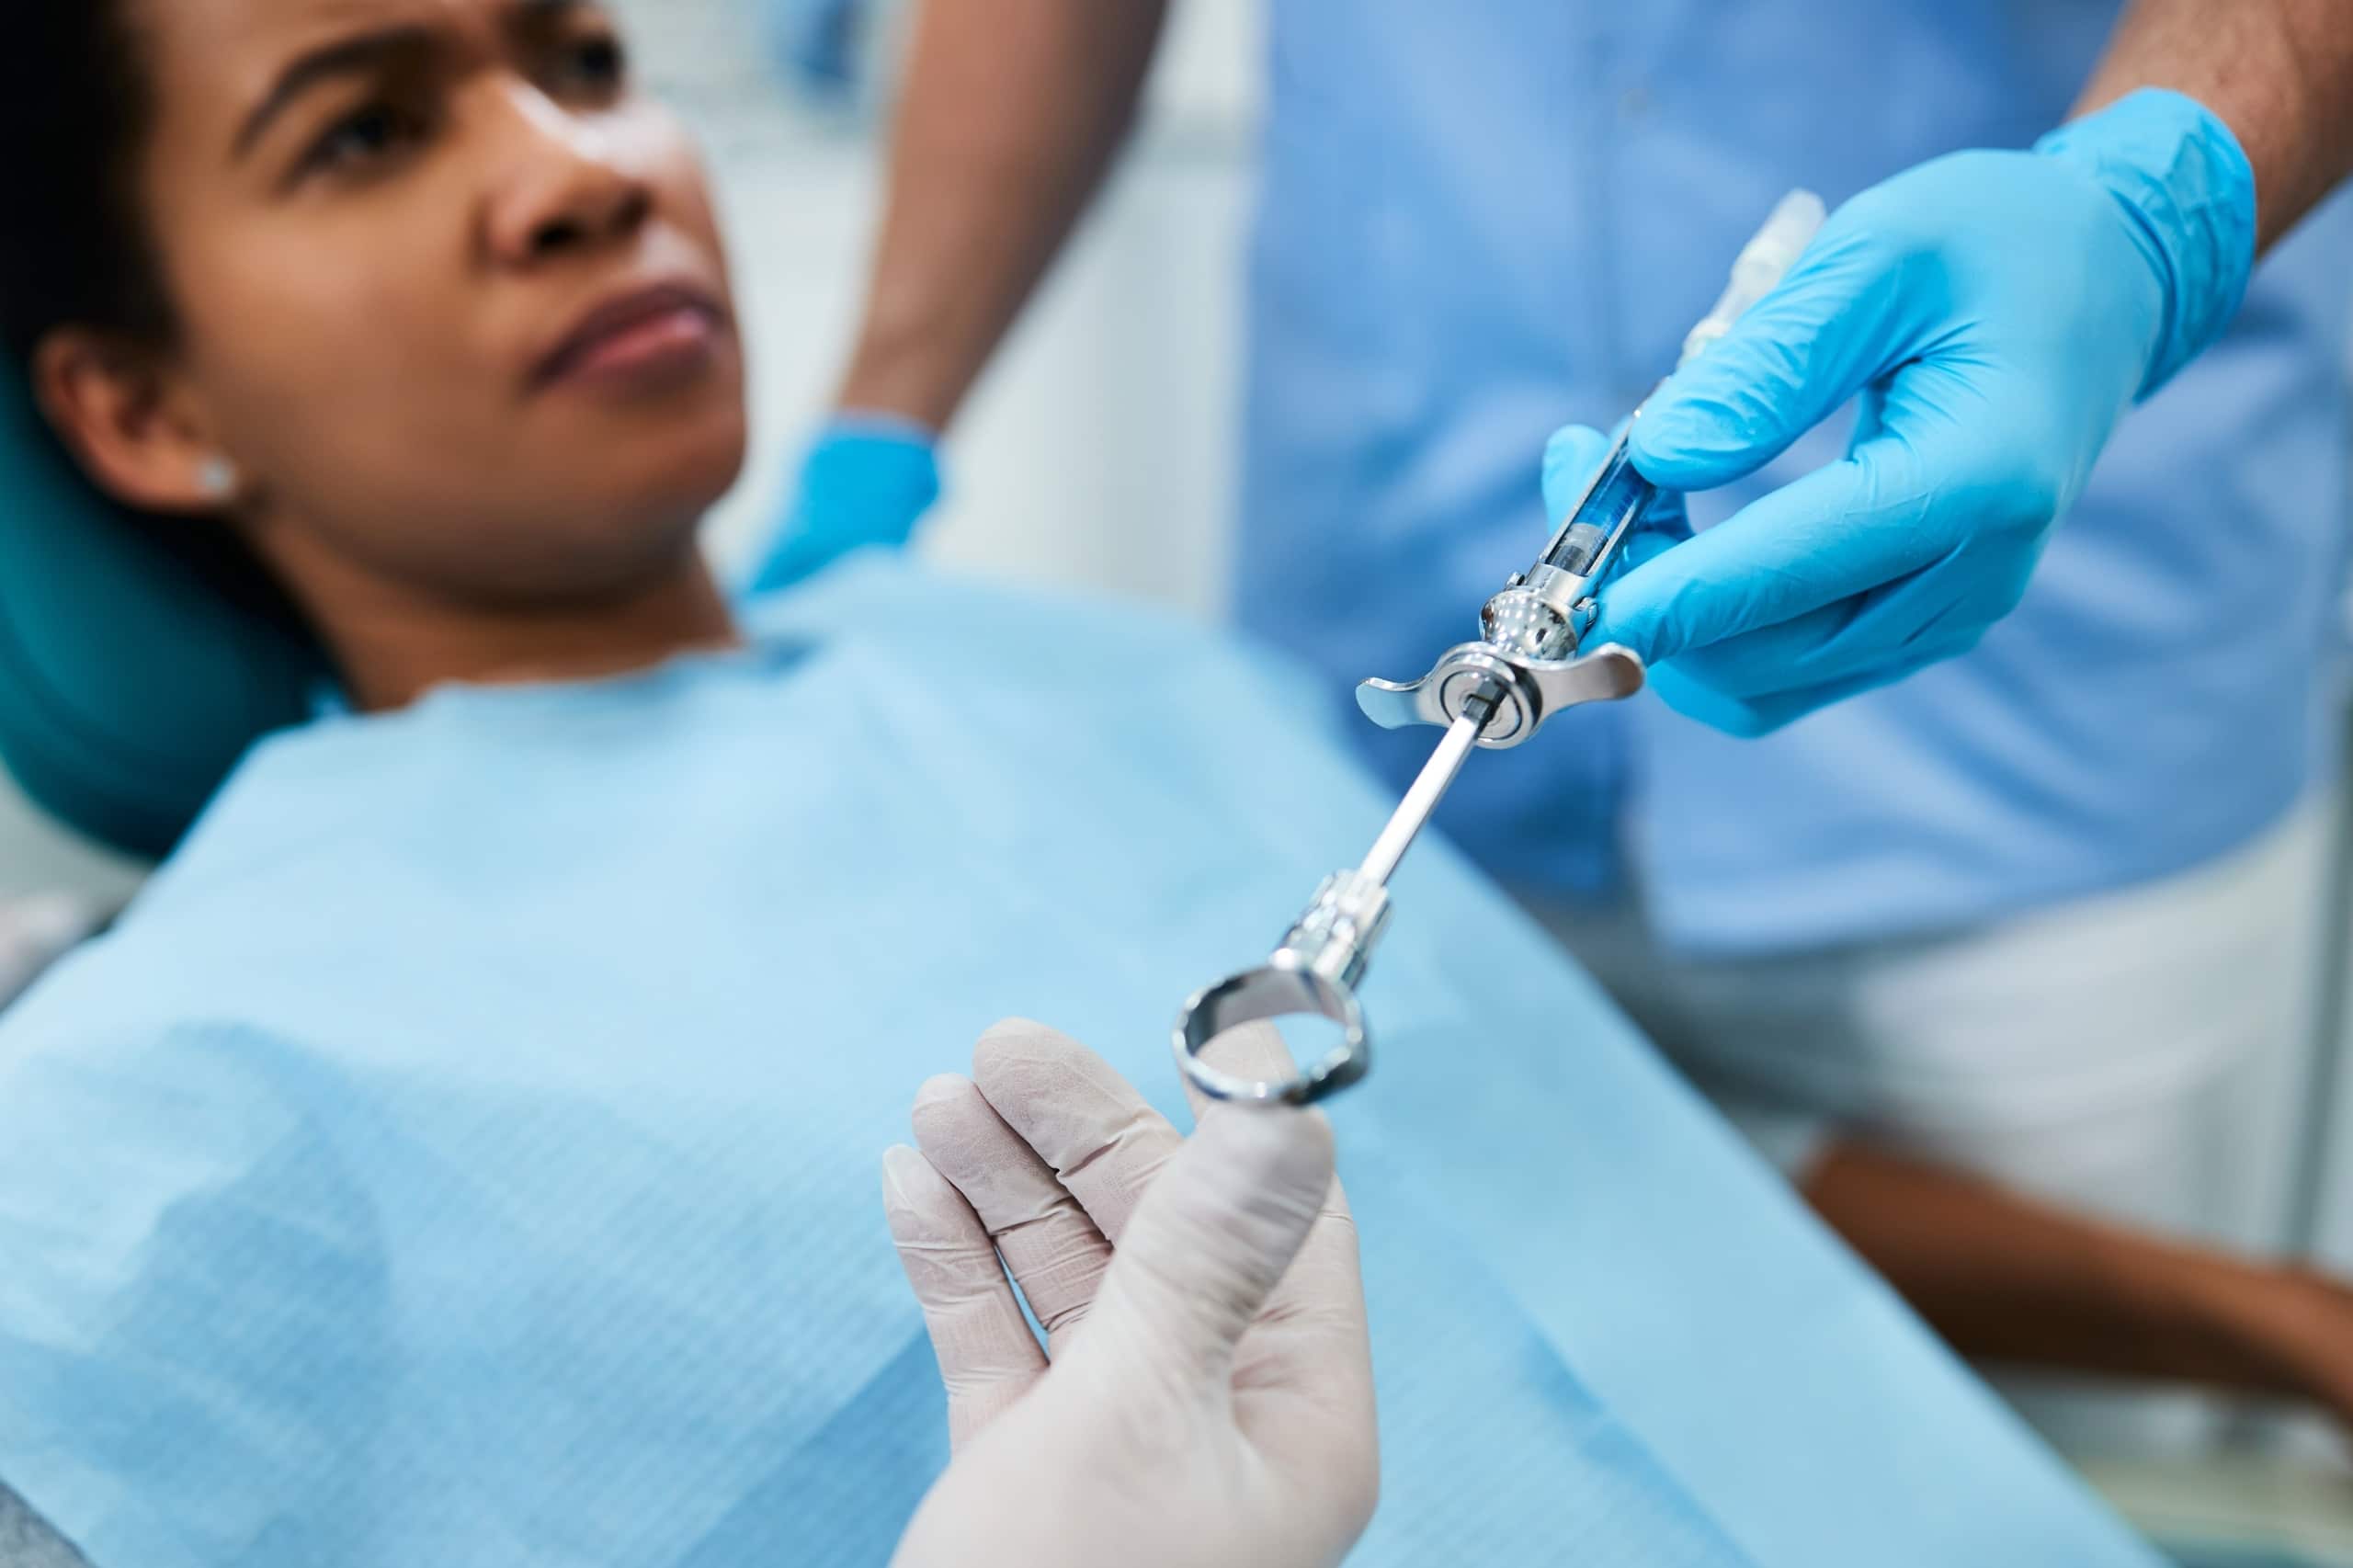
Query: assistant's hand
[868, 480]
[1998, 311]
[1206, 1394]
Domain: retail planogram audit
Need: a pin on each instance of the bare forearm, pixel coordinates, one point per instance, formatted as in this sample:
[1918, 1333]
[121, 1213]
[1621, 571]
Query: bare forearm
[2278, 72]
[2008, 1279]
[1011, 112]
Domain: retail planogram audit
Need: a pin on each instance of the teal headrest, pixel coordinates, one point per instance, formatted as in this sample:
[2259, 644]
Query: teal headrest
[138, 658]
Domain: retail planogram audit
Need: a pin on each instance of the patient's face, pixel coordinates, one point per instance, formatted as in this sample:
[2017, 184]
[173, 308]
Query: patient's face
[382, 222]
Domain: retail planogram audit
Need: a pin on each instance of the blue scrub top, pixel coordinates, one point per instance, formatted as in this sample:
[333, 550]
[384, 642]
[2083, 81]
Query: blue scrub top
[466, 1152]
[1485, 219]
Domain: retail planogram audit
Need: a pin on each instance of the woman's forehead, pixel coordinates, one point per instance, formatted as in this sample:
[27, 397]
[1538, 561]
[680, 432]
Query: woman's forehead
[250, 19]
[217, 60]
[243, 38]
[244, 23]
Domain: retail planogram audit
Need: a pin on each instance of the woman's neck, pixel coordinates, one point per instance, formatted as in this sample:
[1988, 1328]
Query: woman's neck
[393, 643]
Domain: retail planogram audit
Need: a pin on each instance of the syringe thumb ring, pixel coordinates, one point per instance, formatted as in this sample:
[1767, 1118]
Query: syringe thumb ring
[1314, 971]
[1263, 995]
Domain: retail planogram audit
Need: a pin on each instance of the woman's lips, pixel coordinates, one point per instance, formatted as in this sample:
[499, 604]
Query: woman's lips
[646, 336]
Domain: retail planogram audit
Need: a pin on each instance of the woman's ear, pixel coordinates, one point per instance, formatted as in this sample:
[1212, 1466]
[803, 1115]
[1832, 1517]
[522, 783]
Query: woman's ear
[118, 411]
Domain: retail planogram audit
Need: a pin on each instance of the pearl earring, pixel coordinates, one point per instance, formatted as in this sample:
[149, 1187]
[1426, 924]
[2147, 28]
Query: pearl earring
[217, 477]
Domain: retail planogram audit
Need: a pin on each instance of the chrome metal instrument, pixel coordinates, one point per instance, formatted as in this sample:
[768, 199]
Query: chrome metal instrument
[1495, 692]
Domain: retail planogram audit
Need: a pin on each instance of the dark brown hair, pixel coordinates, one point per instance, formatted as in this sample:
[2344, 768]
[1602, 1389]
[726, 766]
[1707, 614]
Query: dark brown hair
[75, 112]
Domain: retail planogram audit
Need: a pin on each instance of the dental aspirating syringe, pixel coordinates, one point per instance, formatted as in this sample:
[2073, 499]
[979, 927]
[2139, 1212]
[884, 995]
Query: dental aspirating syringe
[1495, 693]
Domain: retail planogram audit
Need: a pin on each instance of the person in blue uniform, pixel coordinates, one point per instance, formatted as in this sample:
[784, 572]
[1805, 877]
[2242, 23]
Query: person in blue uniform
[1974, 833]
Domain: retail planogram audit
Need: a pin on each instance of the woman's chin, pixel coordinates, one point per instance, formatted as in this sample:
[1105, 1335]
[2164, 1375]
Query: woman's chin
[658, 464]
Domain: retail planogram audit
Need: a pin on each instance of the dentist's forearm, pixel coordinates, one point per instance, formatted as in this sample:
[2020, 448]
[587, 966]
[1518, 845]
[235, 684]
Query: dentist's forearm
[1011, 111]
[2278, 72]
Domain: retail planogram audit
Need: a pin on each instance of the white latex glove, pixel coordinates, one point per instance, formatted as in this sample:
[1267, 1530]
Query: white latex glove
[1205, 1395]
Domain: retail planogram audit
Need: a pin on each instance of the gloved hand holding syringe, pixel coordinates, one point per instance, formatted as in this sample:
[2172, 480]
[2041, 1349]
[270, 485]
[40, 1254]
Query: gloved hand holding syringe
[1495, 693]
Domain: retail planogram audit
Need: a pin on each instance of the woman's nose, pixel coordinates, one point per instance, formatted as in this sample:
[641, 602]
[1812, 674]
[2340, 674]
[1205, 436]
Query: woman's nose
[571, 186]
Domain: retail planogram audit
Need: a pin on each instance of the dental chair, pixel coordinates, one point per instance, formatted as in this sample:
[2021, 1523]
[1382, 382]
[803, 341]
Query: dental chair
[122, 726]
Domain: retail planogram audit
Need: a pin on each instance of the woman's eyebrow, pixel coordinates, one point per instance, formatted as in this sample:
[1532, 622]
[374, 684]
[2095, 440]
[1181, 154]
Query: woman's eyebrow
[369, 52]
[365, 54]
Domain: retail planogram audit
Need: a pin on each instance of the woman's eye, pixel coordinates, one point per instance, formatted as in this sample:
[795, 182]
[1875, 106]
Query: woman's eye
[364, 137]
[596, 64]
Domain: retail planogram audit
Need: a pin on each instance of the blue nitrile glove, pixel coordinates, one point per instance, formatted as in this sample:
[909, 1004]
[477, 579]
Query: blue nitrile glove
[1998, 313]
[868, 480]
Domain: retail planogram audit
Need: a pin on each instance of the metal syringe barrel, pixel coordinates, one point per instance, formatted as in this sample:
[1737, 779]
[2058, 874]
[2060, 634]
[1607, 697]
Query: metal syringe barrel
[1617, 500]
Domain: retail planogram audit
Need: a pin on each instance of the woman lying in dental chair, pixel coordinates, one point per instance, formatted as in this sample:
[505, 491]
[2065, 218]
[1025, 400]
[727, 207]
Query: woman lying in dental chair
[463, 1151]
